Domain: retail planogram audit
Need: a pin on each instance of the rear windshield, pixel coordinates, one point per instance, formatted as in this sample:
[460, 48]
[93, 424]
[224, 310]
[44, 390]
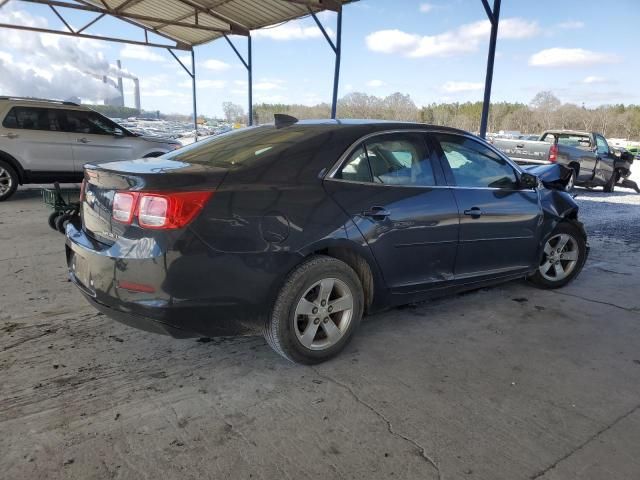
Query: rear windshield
[241, 147]
[569, 139]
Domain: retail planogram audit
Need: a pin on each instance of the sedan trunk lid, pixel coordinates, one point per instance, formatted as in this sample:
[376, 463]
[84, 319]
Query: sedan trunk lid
[146, 174]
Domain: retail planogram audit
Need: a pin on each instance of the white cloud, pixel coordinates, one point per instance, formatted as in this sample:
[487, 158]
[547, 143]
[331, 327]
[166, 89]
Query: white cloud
[466, 38]
[515, 29]
[216, 65]
[457, 87]
[139, 52]
[594, 79]
[375, 83]
[570, 57]
[266, 86]
[204, 83]
[291, 31]
[571, 25]
[426, 7]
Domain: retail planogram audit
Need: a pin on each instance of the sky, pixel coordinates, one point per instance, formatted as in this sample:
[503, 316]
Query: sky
[435, 51]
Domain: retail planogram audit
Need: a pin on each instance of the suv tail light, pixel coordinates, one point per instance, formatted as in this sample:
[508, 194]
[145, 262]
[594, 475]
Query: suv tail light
[158, 210]
[553, 153]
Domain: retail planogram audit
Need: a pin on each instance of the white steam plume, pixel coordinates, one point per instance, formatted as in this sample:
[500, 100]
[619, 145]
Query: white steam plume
[52, 66]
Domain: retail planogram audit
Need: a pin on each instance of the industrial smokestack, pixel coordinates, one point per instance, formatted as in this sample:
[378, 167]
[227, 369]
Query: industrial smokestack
[136, 93]
[120, 87]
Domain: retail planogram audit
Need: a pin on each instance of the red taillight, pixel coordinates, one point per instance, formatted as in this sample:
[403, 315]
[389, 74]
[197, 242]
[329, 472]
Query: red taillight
[159, 210]
[553, 153]
[124, 205]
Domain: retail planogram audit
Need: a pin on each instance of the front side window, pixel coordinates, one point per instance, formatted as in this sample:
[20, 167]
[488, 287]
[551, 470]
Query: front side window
[603, 147]
[78, 121]
[474, 165]
[30, 118]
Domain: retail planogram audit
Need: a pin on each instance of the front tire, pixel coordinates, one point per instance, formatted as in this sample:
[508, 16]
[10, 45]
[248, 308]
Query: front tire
[611, 183]
[8, 180]
[317, 311]
[571, 182]
[564, 255]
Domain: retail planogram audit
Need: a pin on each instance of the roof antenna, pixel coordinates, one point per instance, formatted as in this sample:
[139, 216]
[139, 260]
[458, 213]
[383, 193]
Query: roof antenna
[282, 120]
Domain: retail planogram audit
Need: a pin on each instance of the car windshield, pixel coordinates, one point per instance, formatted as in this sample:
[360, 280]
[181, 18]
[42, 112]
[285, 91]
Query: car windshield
[240, 147]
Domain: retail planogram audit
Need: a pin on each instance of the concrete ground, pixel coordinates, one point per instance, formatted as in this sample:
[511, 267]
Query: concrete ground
[505, 383]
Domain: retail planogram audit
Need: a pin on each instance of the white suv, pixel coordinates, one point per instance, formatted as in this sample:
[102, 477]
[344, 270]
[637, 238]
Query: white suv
[44, 141]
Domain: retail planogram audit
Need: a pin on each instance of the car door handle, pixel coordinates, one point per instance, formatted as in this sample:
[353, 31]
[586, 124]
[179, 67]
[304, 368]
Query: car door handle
[473, 212]
[377, 213]
[10, 135]
[82, 140]
[520, 145]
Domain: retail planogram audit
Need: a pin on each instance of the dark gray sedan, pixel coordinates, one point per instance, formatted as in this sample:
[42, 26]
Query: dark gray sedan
[298, 229]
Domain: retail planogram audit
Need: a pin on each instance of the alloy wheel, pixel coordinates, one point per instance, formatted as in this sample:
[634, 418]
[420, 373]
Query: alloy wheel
[323, 314]
[571, 182]
[6, 182]
[561, 253]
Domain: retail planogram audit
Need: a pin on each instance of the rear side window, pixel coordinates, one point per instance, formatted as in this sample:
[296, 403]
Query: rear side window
[400, 159]
[10, 121]
[30, 118]
[356, 168]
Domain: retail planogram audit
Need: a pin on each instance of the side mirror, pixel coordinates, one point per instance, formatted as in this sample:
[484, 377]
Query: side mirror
[118, 133]
[528, 180]
[626, 156]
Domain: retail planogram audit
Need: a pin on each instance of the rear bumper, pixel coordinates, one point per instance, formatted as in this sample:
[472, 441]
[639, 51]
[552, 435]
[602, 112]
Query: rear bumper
[137, 321]
[98, 270]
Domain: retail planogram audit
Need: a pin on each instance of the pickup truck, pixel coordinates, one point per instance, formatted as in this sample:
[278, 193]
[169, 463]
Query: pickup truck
[587, 154]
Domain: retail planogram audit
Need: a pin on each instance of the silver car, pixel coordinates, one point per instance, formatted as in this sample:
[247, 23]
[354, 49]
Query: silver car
[44, 141]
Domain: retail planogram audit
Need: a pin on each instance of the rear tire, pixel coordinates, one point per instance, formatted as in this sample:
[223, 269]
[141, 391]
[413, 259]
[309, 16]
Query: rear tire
[61, 222]
[557, 268]
[8, 180]
[52, 220]
[571, 182]
[317, 311]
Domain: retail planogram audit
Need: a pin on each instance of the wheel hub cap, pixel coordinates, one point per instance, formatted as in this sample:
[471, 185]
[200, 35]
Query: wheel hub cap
[323, 314]
[6, 182]
[561, 253]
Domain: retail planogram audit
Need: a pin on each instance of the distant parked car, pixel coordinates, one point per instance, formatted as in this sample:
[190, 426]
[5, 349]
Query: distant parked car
[298, 229]
[43, 141]
[593, 162]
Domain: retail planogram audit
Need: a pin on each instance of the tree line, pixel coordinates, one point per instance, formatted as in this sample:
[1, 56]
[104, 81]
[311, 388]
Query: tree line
[544, 111]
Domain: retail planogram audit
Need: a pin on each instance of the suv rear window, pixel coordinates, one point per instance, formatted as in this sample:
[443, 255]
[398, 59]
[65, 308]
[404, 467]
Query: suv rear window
[241, 147]
[30, 118]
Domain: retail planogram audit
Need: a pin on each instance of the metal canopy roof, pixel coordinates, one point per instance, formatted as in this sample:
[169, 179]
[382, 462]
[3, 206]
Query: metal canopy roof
[194, 22]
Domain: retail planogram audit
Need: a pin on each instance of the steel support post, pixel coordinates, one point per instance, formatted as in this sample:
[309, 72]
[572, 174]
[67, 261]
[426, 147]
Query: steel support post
[494, 18]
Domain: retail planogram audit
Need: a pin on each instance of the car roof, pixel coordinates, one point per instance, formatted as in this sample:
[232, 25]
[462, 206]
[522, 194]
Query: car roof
[41, 102]
[373, 124]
